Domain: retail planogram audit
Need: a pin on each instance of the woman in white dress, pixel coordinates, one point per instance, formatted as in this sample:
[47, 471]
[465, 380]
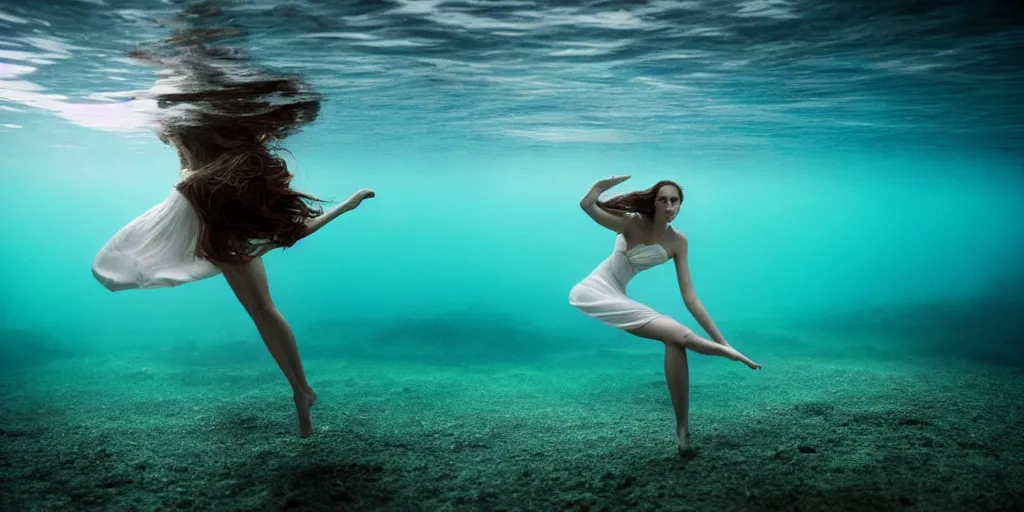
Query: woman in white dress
[234, 201]
[646, 238]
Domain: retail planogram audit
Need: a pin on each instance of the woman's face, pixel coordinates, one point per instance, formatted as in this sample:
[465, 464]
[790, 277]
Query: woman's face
[667, 203]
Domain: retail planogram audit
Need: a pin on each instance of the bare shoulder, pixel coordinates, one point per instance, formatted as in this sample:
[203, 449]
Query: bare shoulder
[676, 242]
[632, 221]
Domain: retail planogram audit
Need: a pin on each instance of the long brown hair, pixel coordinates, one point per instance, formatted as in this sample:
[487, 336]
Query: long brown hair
[225, 127]
[640, 201]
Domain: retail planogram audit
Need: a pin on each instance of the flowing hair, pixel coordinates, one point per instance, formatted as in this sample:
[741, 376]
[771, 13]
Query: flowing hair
[227, 119]
[640, 201]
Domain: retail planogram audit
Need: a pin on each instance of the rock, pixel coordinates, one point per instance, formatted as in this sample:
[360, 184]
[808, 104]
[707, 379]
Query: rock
[912, 422]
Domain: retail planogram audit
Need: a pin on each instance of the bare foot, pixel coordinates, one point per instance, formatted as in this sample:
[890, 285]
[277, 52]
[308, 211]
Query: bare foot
[303, 405]
[735, 355]
[686, 450]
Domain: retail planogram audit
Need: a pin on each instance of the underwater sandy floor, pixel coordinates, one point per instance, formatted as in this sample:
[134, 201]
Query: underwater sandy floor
[848, 427]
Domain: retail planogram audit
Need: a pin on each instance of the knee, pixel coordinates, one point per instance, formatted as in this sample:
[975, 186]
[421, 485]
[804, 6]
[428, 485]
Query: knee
[684, 338]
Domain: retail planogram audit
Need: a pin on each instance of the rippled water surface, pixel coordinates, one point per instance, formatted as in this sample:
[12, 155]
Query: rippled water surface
[707, 75]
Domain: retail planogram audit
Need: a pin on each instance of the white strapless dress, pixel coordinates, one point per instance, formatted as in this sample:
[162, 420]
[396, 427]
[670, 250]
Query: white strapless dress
[602, 294]
[155, 250]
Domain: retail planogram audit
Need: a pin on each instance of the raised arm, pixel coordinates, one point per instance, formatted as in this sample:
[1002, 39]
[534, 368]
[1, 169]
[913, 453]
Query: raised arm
[312, 225]
[615, 222]
[681, 248]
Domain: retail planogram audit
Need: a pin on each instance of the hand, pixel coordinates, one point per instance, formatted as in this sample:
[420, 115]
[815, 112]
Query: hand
[363, 194]
[611, 181]
[355, 199]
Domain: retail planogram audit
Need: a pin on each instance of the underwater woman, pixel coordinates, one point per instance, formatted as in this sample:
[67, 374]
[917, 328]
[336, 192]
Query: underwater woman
[646, 238]
[234, 200]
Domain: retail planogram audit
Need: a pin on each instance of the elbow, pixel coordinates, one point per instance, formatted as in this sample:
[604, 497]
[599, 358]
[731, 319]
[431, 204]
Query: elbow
[588, 200]
[690, 299]
[313, 225]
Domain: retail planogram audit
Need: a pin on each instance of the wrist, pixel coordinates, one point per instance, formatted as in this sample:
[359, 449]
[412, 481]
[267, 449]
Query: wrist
[345, 206]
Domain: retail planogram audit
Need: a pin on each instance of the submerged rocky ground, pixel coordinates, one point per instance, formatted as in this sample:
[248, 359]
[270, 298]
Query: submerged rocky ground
[844, 426]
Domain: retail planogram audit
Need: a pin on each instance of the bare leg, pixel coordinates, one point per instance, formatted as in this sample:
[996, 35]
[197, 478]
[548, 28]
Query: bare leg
[667, 330]
[250, 284]
[677, 337]
[677, 375]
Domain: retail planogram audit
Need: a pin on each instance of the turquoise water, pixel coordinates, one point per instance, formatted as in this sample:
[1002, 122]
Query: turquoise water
[853, 185]
[499, 233]
[823, 173]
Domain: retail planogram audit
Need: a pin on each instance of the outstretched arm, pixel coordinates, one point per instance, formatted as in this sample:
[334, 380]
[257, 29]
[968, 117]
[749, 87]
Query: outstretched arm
[693, 303]
[313, 225]
[616, 223]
